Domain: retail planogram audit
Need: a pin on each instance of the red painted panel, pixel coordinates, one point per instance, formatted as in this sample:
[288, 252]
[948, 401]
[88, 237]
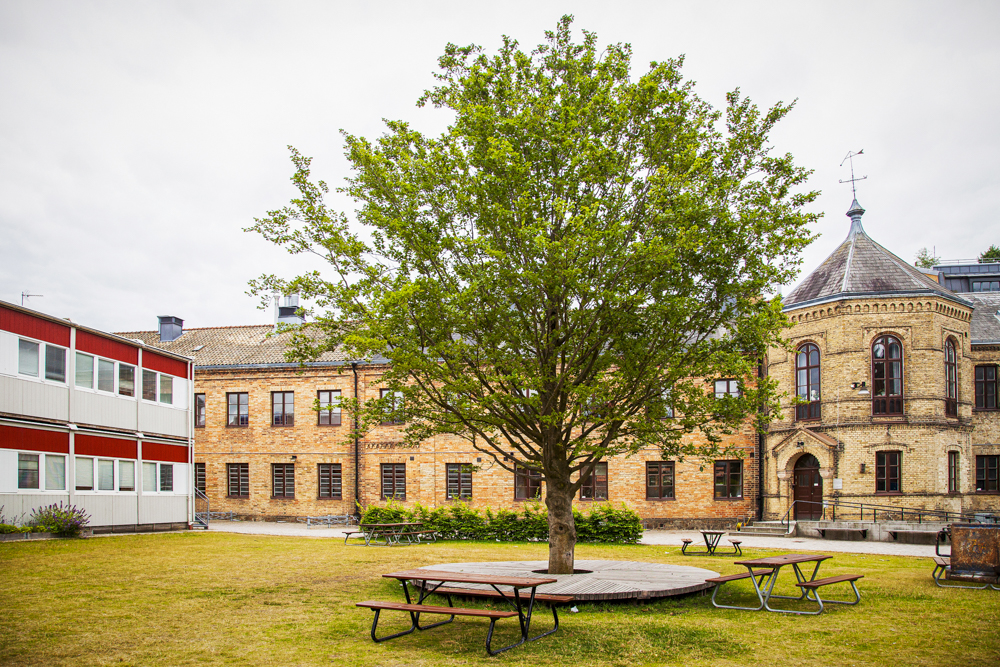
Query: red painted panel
[154, 451]
[33, 439]
[106, 347]
[33, 327]
[96, 445]
[158, 362]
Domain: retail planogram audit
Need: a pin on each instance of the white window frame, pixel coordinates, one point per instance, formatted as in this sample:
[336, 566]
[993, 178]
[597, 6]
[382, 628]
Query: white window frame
[159, 377]
[116, 475]
[40, 362]
[157, 477]
[42, 480]
[115, 370]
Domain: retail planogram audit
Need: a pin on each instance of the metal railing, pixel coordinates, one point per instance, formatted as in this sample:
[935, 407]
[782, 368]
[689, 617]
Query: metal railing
[203, 511]
[880, 512]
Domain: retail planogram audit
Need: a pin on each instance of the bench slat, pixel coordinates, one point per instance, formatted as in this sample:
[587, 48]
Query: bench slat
[816, 583]
[479, 592]
[431, 609]
[434, 575]
[943, 561]
[735, 577]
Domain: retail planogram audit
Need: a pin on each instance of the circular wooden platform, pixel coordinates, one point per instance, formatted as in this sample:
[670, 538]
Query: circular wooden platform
[607, 580]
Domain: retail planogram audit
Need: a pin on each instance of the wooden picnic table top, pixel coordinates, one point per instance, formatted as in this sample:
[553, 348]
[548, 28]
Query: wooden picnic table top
[713, 532]
[786, 559]
[390, 525]
[470, 578]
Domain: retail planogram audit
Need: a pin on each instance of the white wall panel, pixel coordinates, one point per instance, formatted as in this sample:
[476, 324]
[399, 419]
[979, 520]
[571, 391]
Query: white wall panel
[103, 410]
[100, 507]
[157, 419]
[181, 473]
[181, 390]
[8, 471]
[18, 507]
[11, 396]
[8, 353]
[43, 400]
[162, 509]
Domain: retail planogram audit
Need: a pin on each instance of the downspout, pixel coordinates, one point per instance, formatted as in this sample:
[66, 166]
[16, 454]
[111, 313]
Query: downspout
[761, 373]
[357, 448]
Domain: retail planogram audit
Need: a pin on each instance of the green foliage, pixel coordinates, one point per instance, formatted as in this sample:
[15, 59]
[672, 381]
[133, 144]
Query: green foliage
[992, 254]
[6, 528]
[604, 523]
[64, 520]
[925, 259]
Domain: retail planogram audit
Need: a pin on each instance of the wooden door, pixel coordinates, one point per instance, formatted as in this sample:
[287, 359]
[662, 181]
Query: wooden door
[808, 486]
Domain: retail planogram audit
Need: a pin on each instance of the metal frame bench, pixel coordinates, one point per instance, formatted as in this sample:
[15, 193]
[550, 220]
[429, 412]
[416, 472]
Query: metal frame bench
[718, 581]
[942, 567]
[816, 584]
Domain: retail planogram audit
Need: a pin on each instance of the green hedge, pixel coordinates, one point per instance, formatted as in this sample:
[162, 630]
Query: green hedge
[605, 523]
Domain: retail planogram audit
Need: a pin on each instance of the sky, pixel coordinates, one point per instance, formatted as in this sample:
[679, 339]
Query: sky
[138, 139]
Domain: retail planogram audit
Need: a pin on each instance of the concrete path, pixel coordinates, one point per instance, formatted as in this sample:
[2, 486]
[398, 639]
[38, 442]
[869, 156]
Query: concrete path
[668, 538]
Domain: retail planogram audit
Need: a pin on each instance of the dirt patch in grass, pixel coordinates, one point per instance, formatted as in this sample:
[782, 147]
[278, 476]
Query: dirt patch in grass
[228, 599]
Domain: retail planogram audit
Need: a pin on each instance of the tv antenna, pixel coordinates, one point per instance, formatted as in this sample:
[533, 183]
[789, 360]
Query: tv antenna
[852, 180]
[26, 295]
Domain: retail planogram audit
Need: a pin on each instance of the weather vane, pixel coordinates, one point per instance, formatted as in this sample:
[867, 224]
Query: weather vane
[852, 180]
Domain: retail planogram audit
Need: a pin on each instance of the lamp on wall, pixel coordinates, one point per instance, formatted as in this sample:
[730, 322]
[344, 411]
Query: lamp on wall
[862, 388]
[862, 469]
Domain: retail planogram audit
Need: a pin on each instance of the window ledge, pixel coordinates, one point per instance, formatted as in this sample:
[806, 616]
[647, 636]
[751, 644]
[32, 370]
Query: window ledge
[329, 497]
[656, 500]
[729, 499]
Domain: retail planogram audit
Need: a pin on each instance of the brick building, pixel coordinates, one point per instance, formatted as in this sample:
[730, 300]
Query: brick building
[896, 380]
[264, 451]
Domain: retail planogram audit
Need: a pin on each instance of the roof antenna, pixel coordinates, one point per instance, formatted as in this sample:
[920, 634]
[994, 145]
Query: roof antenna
[26, 295]
[852, 180]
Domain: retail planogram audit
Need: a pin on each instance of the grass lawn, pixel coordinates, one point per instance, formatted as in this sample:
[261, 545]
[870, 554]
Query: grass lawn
[228, 599]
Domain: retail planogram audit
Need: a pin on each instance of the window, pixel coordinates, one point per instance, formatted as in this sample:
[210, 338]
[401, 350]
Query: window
[330, 483]
[148, 477]
[986, 387]
[84, 474]
[166, 477]
[166, 389]
[986, 286]
[807, 382]
[148, 385]
[459, 481]
[393, 406]
[239, 409]
[239, 479]
[27, 471]
[27, 358]
[105, 375]
[199, 477]
[105, 475]
[668, 408]
[329, 408]
[394, 481]
[595, 485]
[199, 410]
[887, 469]
[126, 475]
[729, 479]
[126, 380]
[887, 376]
[84, 371]
[282, 408]
[527, 483]
[950, 379]
[952, 472]
[725, 388]
[659, 480]
[282, 480]
[55, 363]
[55, 473]
[986, 474]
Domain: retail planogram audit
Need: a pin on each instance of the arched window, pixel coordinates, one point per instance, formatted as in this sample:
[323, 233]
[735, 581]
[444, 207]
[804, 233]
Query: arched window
[950, 379]
[807, 382]
[887, 376]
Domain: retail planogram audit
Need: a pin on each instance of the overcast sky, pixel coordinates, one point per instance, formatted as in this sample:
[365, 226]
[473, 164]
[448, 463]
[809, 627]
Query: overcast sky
[138, 139]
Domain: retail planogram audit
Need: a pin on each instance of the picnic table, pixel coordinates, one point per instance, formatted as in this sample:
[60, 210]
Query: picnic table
[764, 579]
[712, 539]
[521, 605]
[390, 534]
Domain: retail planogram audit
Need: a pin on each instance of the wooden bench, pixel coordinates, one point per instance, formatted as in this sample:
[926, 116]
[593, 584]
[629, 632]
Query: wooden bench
[718, 581]
[416, 609]
[736, 545]
[419, 535]
[942, 566]
[816, 584]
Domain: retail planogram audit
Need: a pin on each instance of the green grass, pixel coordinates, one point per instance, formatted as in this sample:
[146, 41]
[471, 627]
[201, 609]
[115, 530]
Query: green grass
[227, 599]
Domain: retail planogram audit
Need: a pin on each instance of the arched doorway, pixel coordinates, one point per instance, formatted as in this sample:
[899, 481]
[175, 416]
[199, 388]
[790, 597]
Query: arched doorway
[808, 489]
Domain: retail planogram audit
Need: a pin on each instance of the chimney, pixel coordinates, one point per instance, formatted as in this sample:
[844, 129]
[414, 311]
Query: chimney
[171, 328]
[285, 310]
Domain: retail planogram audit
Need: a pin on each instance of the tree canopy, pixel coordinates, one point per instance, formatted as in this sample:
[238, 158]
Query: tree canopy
[991, 254]
[555, 276]
[926, 259]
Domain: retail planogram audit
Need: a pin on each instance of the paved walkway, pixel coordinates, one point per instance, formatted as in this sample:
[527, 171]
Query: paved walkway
[670, 538]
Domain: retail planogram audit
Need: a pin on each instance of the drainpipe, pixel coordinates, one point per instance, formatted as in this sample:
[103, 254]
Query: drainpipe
[761, 373]
[357, 449]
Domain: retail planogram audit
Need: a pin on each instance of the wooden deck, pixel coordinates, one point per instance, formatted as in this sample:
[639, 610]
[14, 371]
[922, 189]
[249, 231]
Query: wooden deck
[607, 580]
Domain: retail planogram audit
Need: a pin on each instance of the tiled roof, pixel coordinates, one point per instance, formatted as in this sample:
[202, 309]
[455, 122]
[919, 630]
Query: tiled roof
[228, 346]
[985, 325]
[861, 267]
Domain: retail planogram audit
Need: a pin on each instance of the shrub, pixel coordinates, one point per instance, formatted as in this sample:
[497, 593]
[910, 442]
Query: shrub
[6, 528]
[604, 523]
[66, 521]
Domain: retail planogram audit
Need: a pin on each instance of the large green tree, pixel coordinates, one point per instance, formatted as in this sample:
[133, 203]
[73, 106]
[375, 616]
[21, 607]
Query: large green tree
[556, 275]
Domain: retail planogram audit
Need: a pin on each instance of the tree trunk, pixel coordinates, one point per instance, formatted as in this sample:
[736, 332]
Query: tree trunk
[562, 528]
